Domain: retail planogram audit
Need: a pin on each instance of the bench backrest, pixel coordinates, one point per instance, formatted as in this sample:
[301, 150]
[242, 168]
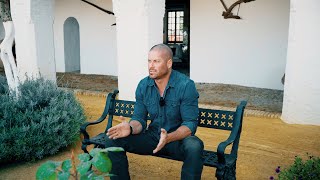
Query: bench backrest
[217, 119]
[209, 118]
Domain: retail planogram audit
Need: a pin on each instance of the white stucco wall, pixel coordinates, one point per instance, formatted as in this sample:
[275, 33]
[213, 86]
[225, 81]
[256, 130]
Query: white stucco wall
[249, 52]
[302, 88]
[97, 36]
[33, 23]
[139, 27]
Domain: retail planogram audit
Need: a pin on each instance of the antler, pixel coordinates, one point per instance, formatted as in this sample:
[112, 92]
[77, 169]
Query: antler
[228, 13]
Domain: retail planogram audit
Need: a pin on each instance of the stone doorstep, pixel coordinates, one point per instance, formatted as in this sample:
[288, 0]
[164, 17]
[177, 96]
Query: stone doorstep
[247, 112]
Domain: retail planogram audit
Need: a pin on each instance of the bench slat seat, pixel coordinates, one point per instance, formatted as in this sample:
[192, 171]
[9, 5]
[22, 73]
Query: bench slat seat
[208, 118]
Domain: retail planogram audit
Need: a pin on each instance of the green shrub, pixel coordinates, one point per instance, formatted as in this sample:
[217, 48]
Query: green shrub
[41, 121]
[308, 169]
[3, 85]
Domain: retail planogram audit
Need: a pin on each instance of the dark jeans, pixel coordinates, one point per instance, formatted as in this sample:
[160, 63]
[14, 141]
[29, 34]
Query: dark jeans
[188, 150]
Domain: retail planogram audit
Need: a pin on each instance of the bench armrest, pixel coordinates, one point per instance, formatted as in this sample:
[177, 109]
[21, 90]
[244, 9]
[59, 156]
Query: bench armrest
[223, 145]
[234, 135]
[86, 124]
[107, 110]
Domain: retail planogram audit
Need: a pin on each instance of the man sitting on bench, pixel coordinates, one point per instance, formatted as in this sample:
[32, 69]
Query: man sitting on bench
[170, 100]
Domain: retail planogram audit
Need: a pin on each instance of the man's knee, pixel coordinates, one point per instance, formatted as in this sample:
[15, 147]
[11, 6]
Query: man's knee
[193, 144]
[112, 143]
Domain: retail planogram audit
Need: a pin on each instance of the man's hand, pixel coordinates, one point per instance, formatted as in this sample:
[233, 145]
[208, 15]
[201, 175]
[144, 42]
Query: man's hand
[119, 131]
[165, 138]
[162, 142]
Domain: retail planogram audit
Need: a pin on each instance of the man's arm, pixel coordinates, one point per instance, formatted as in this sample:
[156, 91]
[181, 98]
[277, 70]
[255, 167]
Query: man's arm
[138, 121]
[189, 107]
[179, 134]
[189, 113]
[165, 138]
[123, 129]
[136, 126]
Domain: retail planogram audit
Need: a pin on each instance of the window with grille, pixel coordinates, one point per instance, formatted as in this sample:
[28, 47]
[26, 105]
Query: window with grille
[175, 26]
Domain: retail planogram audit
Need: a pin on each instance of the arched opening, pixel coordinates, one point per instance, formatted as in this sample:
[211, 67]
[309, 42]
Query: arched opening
[71, 45]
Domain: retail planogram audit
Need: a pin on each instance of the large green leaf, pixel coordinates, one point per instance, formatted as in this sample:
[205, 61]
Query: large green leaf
[84, 157]
[66, 165]
[84, 177]
[83, 167]
[102, 162]
[63, 175]
[47, 171]
[95, 151]
[87, 176]
[112, 149]
[98, 178]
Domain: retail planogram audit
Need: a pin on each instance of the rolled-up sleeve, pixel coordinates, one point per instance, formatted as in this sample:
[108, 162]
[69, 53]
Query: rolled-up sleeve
[189, 107]
[140, 111]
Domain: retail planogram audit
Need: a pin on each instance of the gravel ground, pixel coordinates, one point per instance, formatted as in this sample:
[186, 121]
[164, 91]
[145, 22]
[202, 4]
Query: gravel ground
[224, 95]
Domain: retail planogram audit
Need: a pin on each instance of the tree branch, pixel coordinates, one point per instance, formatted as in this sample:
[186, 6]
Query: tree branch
[100, 8]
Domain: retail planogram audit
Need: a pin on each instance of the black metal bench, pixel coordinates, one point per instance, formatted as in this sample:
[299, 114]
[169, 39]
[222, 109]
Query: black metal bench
[208, 118]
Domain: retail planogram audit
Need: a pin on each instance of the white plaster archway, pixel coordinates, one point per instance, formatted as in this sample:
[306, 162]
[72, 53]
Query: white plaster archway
[71, 45]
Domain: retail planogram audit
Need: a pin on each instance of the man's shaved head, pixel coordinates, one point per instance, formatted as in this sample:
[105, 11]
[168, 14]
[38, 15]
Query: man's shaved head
[160, 62]
[166, 51]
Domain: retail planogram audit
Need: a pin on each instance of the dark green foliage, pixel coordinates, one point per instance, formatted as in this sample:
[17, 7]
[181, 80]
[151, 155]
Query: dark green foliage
[308, 169]
[40, 122]
[300, 169]
[3, 85]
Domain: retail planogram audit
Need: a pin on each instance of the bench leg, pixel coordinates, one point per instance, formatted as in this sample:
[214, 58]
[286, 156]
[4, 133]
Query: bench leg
[226, 173]
[84, 148]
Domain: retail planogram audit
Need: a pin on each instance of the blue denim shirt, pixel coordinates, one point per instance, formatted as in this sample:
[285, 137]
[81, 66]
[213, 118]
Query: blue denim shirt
[181, 104]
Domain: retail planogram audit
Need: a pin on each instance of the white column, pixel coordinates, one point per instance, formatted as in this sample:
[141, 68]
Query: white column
[301, 103]
[139, 27]
[33, 21]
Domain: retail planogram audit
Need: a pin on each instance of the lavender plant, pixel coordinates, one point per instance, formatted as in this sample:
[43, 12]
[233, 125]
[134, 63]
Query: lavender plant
[42, 120]
[308, 169]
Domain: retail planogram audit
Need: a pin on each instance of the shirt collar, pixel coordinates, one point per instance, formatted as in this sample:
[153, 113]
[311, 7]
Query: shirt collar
[171, 82]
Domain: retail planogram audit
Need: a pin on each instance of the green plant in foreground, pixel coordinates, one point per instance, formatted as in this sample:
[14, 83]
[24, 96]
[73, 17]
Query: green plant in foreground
[96, 167]
[300, 169]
